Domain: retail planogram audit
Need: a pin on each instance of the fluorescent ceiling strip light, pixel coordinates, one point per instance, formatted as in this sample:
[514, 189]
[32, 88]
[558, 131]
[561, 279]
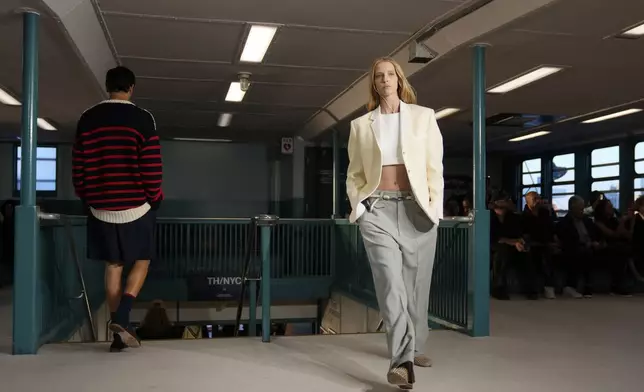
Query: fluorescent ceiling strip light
[612, 115]
[529, 136]
[44, 124]
[525, 79]
[192, 139]
[8, 99]
[235, 93]
[224, 120]
[257, 43]
[446, 112]
[637, 31]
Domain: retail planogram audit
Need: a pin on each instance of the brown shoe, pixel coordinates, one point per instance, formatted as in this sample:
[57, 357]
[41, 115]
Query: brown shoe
[423, 361]
[402, 376]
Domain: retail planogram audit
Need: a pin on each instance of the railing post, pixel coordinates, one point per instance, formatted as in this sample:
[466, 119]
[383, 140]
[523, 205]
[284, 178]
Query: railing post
[336, 175]
[481, 230]
[252, 310]
[26, 323]
[265, 222]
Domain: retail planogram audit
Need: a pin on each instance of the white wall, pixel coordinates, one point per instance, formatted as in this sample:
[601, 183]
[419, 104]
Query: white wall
[229, 180]
[210, 179]
[217, 179]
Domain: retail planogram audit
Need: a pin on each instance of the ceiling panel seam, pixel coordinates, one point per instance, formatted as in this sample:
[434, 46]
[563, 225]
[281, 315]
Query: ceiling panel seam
[460, 33]
[206, 80]
[220, 62]
[400, 47]
[244, 22]
[106, 31]
[250, 103]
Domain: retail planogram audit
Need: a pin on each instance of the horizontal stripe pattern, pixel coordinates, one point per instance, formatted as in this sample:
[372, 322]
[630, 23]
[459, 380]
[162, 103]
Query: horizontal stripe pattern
[116, 159]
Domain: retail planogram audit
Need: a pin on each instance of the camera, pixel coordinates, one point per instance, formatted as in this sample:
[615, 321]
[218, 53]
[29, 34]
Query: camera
[244, 80]
[419, 53]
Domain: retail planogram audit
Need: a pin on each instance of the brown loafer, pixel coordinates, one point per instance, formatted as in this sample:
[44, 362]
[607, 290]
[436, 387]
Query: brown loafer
[423, 361]
[402, 376]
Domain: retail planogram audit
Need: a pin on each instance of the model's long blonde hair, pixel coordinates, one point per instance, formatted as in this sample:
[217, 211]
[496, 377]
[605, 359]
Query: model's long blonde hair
[406, 92]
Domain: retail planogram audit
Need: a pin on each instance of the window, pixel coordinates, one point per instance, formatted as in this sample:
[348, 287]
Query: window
[530, 177]
[605, 167]
[638, 182]
[45, 169]
[563, 178]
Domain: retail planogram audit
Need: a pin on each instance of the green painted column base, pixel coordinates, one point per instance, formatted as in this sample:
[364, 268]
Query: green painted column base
[26, 311]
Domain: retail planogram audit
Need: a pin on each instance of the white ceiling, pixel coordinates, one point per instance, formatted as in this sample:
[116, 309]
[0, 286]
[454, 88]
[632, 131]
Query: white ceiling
[602, 72]
[185, 55]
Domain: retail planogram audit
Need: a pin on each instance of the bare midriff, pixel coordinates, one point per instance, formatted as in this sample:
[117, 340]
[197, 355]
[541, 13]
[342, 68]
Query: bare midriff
[394, 178]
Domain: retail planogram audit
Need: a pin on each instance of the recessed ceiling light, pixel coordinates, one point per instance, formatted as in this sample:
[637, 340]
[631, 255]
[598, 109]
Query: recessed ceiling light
[192, 139]
[633, 32]
[8, 99]
[235, 93]
[446, 112]
[257, 43]
[224, 120]
[529, 136]
[44, 124]
[525, 79]
[611, 116]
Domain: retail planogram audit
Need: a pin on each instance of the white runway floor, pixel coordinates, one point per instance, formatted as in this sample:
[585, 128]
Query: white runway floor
[567, 345]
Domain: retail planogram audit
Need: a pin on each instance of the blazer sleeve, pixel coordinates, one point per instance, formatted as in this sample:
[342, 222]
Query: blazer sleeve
[434, 154]
[355, 172]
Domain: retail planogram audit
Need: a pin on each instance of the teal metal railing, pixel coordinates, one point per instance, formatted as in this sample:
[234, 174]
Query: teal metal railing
[187, 247]
[307, 257]
[450, 302]
[302, 248]
[69, 287]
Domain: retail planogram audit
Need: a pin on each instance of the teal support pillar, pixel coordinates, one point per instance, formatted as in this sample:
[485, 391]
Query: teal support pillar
[336, 174]
[266, 283]
[481, 231]
[26, 322]
[265, 223]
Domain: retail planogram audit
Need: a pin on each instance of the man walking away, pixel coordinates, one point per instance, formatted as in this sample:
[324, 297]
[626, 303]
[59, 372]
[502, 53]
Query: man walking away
[117, 173]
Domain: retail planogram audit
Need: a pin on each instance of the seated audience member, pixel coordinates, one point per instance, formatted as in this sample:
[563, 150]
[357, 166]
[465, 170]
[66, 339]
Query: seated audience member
[615, 255]
[452, 208]
[508, 250]
[636, 226]
[157, 325]
[595, 197]
[8, 238]
[539, 233]
[580, 241]
[466, 209]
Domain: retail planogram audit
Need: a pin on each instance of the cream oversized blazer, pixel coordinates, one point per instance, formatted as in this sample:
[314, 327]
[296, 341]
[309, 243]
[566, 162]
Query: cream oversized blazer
[422, 151]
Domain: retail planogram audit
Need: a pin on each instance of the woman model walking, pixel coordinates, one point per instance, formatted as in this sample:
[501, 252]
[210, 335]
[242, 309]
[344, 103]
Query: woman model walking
[395, 186]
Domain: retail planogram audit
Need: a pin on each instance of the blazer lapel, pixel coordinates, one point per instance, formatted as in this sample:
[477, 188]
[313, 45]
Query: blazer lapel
[374, 120]
[405, 122]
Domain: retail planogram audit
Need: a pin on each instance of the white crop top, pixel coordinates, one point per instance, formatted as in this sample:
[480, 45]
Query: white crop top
[390, 139]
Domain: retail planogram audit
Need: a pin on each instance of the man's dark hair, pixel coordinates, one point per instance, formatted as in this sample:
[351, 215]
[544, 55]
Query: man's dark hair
[119, 79]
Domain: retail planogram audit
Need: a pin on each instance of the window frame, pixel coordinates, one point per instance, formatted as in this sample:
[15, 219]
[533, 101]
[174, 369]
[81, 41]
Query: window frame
[525, 188]
[554, 183]
[45, 194]
[637, 191]
[594, 180]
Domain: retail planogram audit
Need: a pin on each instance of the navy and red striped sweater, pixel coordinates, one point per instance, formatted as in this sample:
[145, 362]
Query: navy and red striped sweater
[117, 161]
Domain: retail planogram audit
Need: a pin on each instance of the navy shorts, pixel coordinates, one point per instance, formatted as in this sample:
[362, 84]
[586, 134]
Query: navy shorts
[122, 243]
